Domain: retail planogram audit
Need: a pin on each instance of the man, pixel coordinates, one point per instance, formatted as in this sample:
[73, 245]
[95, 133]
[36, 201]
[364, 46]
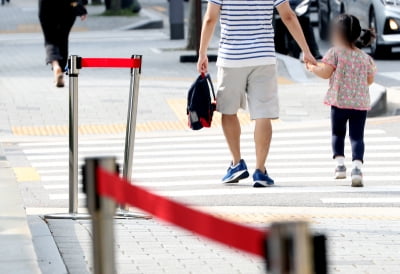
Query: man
[247, 66]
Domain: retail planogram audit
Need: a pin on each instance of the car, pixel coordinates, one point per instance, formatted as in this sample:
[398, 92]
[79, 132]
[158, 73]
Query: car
[381, 15]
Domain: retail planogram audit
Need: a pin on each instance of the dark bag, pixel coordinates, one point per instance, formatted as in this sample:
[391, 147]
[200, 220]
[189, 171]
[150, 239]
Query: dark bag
[200, 106]
[79, 8]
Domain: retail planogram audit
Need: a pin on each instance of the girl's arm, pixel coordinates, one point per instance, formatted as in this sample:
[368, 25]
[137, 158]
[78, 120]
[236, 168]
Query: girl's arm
[321, 70]
[370, 79]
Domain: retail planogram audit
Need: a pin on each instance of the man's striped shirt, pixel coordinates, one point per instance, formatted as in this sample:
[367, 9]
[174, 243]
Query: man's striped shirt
[247, 34]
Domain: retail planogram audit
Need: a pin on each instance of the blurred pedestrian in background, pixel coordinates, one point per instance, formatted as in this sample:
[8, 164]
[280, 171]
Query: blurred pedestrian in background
[57, 18]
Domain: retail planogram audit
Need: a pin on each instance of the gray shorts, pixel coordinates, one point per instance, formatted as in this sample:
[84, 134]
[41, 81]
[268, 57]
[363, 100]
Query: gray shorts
[260, 85]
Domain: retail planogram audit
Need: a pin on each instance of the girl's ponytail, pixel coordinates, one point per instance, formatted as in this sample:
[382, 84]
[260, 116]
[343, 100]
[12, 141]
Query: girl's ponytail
[366, 38]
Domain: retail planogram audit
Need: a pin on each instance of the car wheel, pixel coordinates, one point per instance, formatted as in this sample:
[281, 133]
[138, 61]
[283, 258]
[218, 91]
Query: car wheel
[377, 50]
[323, 24]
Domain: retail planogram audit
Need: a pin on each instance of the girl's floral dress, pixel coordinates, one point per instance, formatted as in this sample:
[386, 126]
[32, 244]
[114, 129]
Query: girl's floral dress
[348, 85]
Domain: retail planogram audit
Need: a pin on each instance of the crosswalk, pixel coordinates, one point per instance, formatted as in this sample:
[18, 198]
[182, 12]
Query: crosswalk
[189, 167]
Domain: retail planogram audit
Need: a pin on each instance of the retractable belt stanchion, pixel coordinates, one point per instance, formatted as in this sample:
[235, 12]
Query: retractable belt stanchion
[102, 210]
[287, 247]
[75, 63]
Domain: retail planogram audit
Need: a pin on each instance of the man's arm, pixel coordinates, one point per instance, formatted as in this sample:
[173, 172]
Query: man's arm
[289, 18]
[207, 31]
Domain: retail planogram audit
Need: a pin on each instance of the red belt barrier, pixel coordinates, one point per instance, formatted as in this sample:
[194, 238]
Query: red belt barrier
[241, 237]
[111, 62]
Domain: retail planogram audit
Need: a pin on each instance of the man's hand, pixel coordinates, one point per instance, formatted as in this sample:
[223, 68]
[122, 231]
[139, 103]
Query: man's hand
[308, 58]
[209, 22]
[202, 64]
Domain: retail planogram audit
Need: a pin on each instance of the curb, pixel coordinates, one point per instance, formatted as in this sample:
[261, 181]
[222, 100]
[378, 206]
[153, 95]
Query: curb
[294, 68]
[378, 93]
[49, 257]
[153, 21]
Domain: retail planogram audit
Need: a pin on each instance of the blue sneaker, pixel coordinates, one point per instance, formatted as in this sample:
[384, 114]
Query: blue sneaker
[236, 173]
[261, 179]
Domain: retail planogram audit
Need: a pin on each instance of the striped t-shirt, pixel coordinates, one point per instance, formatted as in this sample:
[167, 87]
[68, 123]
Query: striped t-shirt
[247, 34]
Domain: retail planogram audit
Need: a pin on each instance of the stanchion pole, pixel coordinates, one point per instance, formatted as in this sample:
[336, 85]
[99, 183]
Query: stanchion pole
[131, 121]
[102, 211]
[130, 136]
[73, 73]
[73, 134]
[289, 249]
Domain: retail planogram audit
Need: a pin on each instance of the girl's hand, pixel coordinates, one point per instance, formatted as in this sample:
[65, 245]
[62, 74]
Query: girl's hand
[83, 17]
[310, 67]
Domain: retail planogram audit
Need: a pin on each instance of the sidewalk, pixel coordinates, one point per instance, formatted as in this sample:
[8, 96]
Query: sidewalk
[362, 237]
[17, 254]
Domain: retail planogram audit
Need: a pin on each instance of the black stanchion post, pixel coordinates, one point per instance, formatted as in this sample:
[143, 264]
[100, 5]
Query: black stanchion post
[102, 211]
[291, 249]
[176, 22]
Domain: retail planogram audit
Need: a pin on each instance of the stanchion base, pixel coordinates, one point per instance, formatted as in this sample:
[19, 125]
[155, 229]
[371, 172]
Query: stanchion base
[194, 58]
[125, 214]
[120, 214]
[66, 216]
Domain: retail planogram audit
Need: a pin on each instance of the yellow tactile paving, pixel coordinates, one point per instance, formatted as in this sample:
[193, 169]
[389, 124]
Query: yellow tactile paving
[178, 106]
[284, 81]
[33, 28]
[26, 174]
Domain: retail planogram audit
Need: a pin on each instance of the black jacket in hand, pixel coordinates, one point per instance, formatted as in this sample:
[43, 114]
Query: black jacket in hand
[79, 7]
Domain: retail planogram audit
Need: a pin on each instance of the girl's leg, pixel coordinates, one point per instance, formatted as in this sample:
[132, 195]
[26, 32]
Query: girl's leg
[357, 126]
[356, 129]
[339, 119]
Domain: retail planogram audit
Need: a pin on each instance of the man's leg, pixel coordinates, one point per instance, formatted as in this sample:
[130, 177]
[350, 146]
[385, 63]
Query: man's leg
[232, 131]
[263, 101]
[262, 139]
[231, 96]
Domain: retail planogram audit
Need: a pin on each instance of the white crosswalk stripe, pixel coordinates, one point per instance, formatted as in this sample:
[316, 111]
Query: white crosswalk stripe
[191, 165]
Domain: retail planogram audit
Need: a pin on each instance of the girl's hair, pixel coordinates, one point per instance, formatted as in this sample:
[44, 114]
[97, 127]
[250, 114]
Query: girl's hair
[350, 29]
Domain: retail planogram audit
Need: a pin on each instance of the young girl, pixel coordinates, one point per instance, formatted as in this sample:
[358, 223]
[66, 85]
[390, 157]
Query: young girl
[350, 71]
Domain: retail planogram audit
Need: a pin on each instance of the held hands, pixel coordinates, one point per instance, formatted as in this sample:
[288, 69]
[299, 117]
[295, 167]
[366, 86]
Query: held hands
[310, 67]
[202, 64]
[310, 61]
[308, 58]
